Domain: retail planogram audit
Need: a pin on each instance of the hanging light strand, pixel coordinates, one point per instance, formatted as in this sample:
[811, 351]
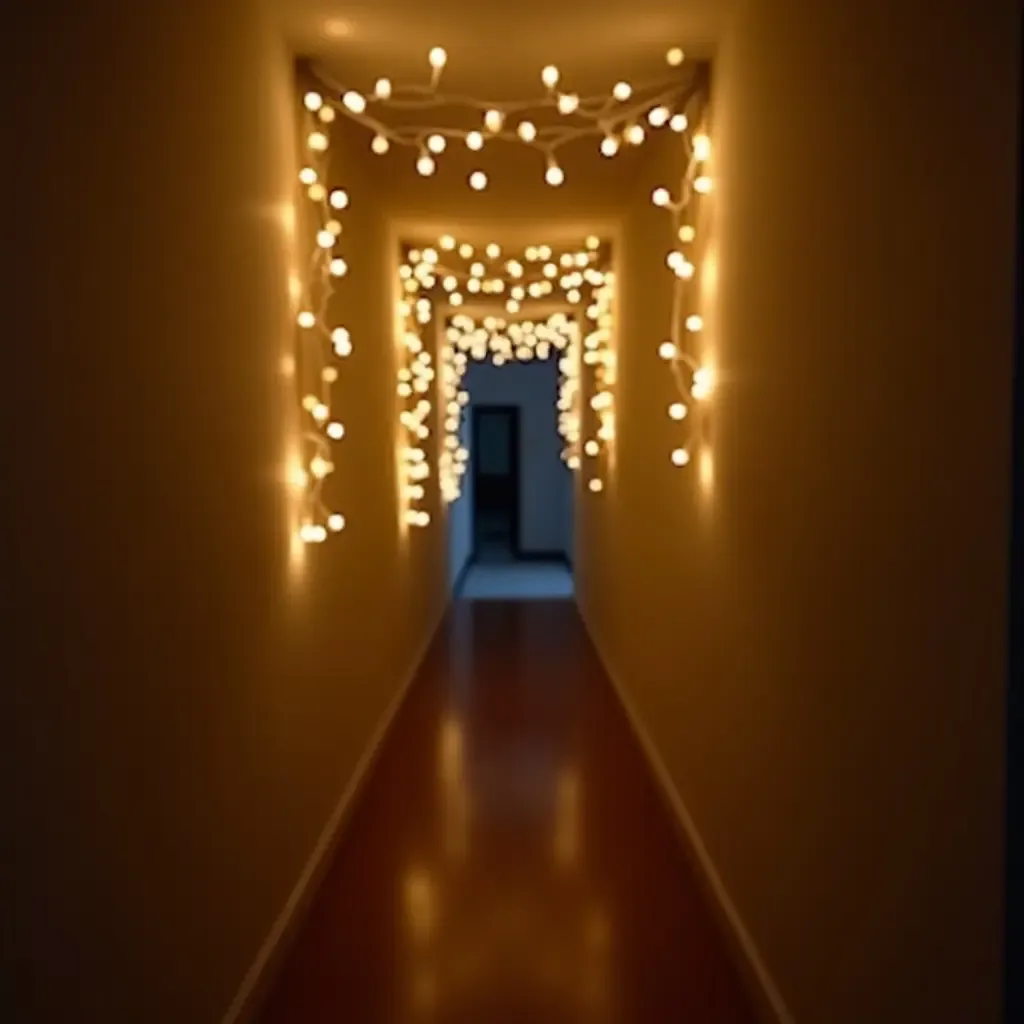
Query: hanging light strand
[620, 118]
[319, 340]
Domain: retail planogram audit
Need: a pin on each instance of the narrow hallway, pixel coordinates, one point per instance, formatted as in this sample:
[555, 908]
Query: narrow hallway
[510, 858]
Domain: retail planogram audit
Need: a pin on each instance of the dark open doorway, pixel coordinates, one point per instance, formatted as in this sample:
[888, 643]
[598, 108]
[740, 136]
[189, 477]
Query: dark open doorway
[496, 466]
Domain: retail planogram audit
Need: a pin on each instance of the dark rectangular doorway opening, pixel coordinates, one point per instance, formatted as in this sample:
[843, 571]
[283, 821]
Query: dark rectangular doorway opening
[496, 466]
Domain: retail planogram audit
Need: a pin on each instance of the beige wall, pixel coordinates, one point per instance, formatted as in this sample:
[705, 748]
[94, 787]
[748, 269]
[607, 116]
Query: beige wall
[815, 639]
[185, 699]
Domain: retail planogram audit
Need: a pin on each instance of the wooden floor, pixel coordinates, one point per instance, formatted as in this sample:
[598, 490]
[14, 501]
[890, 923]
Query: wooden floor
[510, 860]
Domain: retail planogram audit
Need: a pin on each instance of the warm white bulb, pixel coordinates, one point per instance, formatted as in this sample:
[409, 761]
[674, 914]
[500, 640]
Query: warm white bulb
[326, 114]
[475, 141]
[425, 165]
[634, 134]
[493, 120]
[568, 102]
[595, 485]
[701, 147]
[478, 181]
[592, 242]
[493, 251]
[622, 91]
[317, 142]
[609, 146]
[666, 350]
[382, 89]
[701, 383]
[675, 56]
[694, 323]
[658, 117]
[436, 143]
[354, 101]
[680, 457]
[307, 176]
[336, 522]
[325, 239]
[678, 123]
[661, 197]
[554, 175]
[334, 226]
[446, 242]
[677, 411]
[437, 57]
[342, 341]
[687, 233]
[527, 131]
[549, 76]
[306, 319]
[335, 430]
[339, 268]
[339, 198]
[466, 250]
[380, 145]
[702, 184]
[313, 101]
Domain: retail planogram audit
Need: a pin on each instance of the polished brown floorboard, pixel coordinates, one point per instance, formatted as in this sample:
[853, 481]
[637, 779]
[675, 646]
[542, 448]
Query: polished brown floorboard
[510, 860]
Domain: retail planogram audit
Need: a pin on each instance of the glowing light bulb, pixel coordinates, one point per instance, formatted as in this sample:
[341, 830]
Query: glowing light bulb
[679, 123]
[527, 131]
[675, 57]
[687, 233]
[592, 242]
[342, 342]
[661, 197]
[382, 89]
[307, 176]
[379, 145]
[493, 251]
[313, 101]
[425, 165]
[549, 76]
[680, 457]
[317, 142]
[474, 141]
[306, 319]
[326, 114]
[334, 226]
[694, 323]
[336, 522]
[325, 239]
[339, 198]
[595, 486]
[702, 185]
[701, 383]
[493, 120]
[622, 91]
[634, 134]
[701, 147]
[339, 268]
[591, 448]
[478, 181]
[437, 57]
[437, 143]
[446, 242]
[335, 430]
[568, 103]
[466, 250]
[658, 117]
[609, 146]
[354, 101]
[667, 350]
[554, 175]
[677, 411]
[329, 374]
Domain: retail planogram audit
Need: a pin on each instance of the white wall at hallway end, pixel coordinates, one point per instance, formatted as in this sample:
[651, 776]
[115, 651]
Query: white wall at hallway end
[545, 499]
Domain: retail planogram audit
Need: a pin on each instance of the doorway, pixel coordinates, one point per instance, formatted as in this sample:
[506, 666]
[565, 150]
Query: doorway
[496, 467]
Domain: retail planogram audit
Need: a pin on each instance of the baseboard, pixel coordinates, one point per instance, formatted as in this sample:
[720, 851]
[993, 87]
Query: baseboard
[272, 953]
[771, 1006]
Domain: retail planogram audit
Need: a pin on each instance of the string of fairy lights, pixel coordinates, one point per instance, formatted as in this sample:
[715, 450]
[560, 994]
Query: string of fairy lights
[321, 344]
[559, 116]
[447, 274]
[502, 342]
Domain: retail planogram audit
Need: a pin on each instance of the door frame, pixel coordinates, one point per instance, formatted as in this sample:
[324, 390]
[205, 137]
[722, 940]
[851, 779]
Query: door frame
[515, 460]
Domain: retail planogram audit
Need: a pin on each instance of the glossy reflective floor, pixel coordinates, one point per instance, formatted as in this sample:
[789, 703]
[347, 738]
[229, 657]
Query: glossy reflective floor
[510, 860]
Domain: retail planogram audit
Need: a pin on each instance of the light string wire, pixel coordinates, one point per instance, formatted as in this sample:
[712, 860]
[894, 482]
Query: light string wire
[586, 285]
[317, 338]
[616, 118]
[692, 380]
[494, 338]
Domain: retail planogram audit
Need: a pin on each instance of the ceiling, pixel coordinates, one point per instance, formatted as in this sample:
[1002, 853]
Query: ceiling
[496, 50]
